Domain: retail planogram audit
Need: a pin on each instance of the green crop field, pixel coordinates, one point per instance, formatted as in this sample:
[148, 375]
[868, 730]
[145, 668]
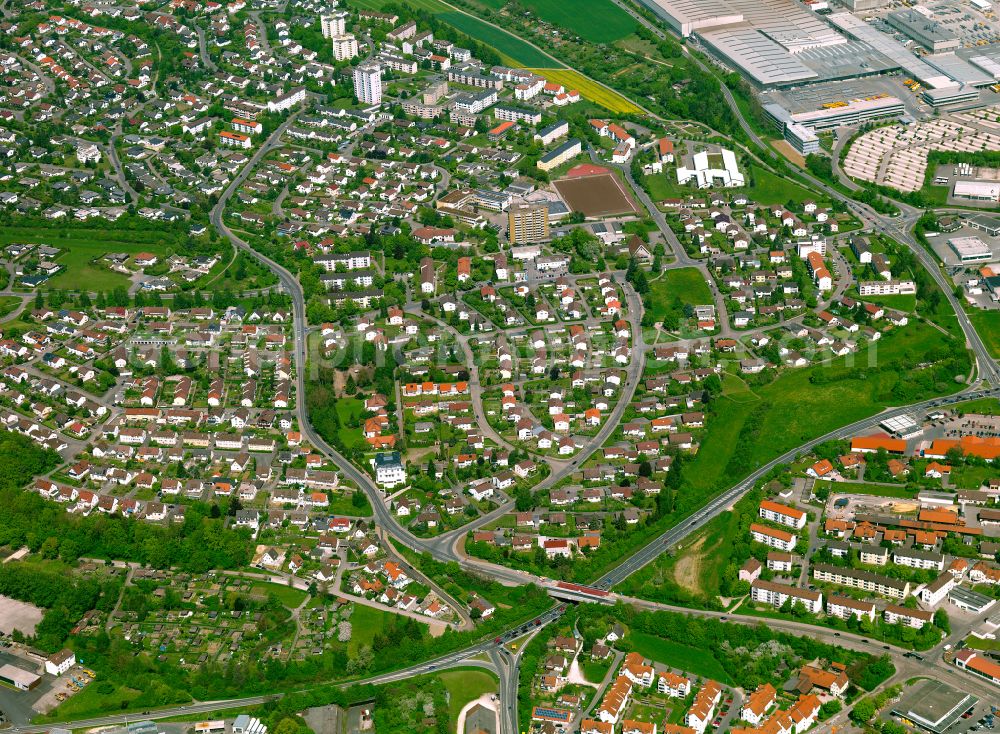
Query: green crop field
[599, 21]
[508, 45]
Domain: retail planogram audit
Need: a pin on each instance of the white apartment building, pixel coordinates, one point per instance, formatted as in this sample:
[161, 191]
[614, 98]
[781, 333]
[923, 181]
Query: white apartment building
[916, 558]
[344, 47]
[915, 618]
[368, 84]
[773, 538]
[775, 594]
[334, 24]
[782, 514]
[937, 590]
[845, 607]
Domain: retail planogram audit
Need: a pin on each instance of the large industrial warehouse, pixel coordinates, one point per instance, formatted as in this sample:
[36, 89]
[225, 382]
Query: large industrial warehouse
[786, 44]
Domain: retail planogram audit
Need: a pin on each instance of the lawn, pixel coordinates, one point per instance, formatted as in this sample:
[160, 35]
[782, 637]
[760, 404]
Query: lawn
[595, 670]
[987, 323]
[89, 702]
[81, 246]
[343, 504]
[972, 477]
[589, 89]
[979, 643]
[8, 304]
[686, 284]
[688, 659]
[366, 622]
[287, 595]
[986, 406]
[766, 188]
[907, 303]
[516, 51]
[769, 188]
[877, 490]
[803, 404]
[598, 21]
[465, 685]
[349, 412]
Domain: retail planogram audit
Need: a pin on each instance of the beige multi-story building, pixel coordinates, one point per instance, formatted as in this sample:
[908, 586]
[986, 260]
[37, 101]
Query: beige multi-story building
[435, 92]
[864, 580]
[528, 223]
[345, 47]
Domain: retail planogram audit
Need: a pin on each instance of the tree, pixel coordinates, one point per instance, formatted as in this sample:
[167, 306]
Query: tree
[941, 621]
[830, 708]
[863, 711]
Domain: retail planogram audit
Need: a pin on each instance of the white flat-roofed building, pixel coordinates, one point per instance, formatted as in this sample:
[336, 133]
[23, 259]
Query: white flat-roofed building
[977, 190]
[852, 112]
[711, 169]
[334, 24]
[944, 96]
[970, 249]
[344, 47]
[687, 16]
[887, 288]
